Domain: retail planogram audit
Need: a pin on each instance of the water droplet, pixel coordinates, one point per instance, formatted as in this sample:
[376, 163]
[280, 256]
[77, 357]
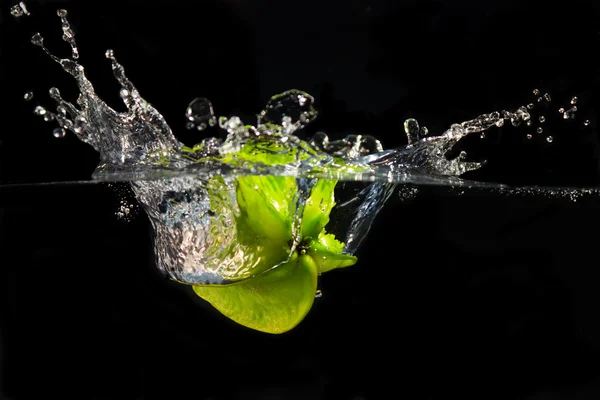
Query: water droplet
[39, 110]
[540, 99]
[318, 294]
[295, 104]
[109, 54]
[463, 155]
[542, 119]
[61, 13]
[482, 135]
[549, 139]
[586, 122]
[570, 113]
[37, 39]
[190, 125]
[124, 93]
[79, 124]
[201, 127]
[539, 129]
[200, 111]
[424, 131]
[54, 93]
[59, 133]
[255, 187]
[530, 106]
[28, 96]
[62, 111]
[411, 128]
[561, 110]
[528, 123]
[49, 117]
[536, 92]
[547, 97]
[324, 258]
[529, 136]
[18, 10]
[574, 100]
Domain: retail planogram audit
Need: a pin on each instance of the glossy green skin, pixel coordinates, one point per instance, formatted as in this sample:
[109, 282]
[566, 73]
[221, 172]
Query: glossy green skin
[282, 292]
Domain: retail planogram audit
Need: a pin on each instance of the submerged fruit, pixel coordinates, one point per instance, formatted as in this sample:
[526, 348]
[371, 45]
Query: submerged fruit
[286, 258]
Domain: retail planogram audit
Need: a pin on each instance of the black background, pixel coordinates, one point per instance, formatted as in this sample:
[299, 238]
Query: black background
[478, 296]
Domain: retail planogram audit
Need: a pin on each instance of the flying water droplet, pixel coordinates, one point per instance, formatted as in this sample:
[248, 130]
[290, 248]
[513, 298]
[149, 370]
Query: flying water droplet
[482, 135]
[293, 104]
[547, 97]
[28, 96]
[190, 125]
[463, 155]
[536, 92]
[80, 124]
[37, 39]
[529, 136]
[39, 110]
[200, 113]
[539, 130]
[542, 119]
[574, 100]
[18, 10]
[49, 117]
[570, 113]
[549, 139]
[561, 110]
[586, 122]
[318, 294]
[411, 128]
[424, 131]
[59, 133]
[530, 106]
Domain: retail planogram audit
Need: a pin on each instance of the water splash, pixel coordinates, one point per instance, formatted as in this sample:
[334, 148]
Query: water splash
[195, 235]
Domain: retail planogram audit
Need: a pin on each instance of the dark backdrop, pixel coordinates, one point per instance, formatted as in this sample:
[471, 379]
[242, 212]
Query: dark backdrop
[477, 296]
